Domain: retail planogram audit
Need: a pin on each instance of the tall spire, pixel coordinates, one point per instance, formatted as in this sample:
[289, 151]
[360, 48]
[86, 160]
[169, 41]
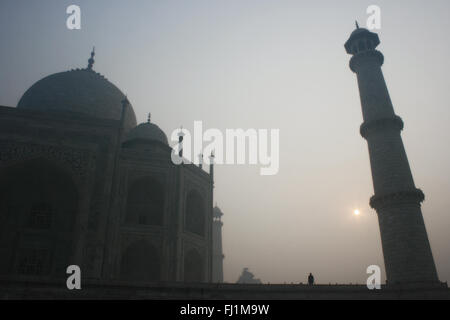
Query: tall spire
[125, 104]
[125, 101]
[217, 249]
[91, 60]
[211, 166]
[149, 118]
[356, 23]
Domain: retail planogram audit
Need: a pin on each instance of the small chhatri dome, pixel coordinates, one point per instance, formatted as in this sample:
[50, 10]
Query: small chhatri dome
[147, 132]
[361, 39]
[80, 91]
[359, 31]
[217, 213]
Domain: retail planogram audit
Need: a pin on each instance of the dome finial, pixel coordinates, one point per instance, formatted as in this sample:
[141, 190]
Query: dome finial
[91, 60]
[149, 118]
[356, 23]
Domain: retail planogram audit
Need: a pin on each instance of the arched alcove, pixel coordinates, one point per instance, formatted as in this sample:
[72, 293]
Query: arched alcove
[195, 213]
[193, 267]
[145, 202]
[140, 262]
[38, 206]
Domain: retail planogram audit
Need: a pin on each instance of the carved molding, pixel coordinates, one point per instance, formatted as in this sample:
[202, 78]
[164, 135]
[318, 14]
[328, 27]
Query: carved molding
[368, 127]
[199, 246]
[401, 197]
[79, 161]
[365, 57]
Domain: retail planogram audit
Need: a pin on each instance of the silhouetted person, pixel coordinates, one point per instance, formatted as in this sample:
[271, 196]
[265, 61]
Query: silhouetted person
[310, 279]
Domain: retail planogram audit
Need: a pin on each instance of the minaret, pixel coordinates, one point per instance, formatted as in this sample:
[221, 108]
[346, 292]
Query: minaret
[397, 201]
[217, 263]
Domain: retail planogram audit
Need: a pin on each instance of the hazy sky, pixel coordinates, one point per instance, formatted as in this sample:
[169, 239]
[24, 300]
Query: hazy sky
[266, 64]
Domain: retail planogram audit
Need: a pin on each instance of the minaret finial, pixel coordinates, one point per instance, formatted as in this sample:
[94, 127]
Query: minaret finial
[125, 104]
[91, 60]
[125, 101]
[149, 118]
[356, 23]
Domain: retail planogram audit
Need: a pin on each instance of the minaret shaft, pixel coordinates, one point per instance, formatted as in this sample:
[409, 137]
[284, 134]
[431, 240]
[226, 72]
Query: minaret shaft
[217, 275]
[406, 248]
[373, 91]
[217, 252]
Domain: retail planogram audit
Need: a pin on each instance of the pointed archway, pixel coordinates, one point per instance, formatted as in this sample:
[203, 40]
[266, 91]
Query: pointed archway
[140, 262]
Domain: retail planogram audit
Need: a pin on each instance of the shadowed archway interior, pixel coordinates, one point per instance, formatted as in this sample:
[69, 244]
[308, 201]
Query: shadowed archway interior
[140, 262]
[145, 202]
[38, 205]
[193, 267]
[195, 213]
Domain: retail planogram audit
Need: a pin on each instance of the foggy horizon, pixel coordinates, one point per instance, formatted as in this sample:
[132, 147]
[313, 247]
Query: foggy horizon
[271, 65]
